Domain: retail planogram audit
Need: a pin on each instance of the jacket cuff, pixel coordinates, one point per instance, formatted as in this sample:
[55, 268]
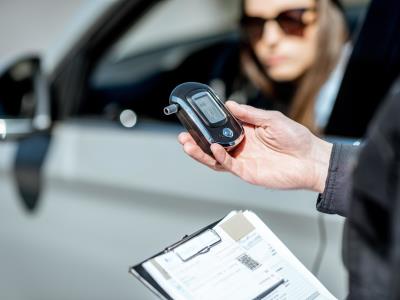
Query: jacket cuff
[334, 199]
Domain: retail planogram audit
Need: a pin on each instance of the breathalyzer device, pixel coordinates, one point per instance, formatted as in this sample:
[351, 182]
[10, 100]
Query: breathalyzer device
[205, 116]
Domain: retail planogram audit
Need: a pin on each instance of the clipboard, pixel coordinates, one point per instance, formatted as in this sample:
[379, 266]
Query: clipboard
[143, 276]
[252, 254]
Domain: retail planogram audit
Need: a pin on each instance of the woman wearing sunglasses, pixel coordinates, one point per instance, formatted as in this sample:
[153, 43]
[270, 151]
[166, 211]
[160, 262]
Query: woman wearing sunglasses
[290, 50]
[290, 58]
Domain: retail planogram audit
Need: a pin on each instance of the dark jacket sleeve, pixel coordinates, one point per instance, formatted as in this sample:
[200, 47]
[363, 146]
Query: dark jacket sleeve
[335, 198]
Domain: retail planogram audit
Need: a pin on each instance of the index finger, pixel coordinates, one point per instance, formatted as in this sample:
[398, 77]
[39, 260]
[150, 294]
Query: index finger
[195, 152]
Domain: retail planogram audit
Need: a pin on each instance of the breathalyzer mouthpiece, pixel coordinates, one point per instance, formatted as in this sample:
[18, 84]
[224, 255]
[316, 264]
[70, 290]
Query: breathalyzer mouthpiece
[171, 109]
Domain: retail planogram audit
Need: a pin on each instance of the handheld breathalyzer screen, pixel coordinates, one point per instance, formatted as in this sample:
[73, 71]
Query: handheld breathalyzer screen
[205, 103]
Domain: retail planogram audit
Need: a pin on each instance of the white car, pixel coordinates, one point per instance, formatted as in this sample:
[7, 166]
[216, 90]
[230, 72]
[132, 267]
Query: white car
[92, 178]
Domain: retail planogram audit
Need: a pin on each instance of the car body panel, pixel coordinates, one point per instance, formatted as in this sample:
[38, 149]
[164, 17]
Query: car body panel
[99, 214]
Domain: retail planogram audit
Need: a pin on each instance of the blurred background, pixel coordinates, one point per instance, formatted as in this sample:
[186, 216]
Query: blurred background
[92, 179]
[33, 26]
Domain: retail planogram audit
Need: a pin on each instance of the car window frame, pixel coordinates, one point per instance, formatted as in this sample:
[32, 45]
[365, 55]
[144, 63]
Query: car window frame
[69, 81]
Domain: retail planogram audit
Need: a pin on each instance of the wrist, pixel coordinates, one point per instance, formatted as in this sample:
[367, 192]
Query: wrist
[320, 161]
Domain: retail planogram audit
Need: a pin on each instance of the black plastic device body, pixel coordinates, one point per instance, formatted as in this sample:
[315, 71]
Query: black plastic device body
[205, 116]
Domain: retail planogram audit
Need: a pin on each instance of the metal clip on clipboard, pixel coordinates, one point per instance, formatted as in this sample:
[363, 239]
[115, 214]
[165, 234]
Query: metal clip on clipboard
[191, 246]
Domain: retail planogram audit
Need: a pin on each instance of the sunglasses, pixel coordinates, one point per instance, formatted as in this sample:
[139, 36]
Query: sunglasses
[292, 22]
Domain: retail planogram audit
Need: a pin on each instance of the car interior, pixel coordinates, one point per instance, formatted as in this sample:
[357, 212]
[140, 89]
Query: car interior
[142, 81]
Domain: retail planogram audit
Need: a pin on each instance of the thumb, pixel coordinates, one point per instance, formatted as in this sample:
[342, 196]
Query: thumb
[225, 159]
[249, 114]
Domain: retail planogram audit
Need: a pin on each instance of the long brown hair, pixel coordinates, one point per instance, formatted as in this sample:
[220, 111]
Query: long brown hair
[332, 33]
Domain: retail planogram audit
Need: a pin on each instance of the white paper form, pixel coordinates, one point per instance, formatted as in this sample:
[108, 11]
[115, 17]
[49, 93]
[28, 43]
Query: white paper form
[246, 261]
[300, 283]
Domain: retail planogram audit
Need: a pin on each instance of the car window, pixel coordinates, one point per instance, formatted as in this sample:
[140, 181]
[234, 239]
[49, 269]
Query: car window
[175, 21]
[165, 48]
[143, 60]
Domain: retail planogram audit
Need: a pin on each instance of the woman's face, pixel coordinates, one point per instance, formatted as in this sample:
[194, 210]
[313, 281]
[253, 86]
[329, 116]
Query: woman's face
[284, 51]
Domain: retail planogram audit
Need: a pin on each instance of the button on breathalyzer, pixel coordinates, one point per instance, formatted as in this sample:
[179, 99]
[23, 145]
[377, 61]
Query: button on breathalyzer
[204, 116]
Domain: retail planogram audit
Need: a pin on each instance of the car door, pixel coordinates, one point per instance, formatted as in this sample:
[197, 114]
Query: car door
[117, 186]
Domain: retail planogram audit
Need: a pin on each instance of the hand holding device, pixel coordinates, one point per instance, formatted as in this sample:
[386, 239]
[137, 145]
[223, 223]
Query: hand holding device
[276, 153]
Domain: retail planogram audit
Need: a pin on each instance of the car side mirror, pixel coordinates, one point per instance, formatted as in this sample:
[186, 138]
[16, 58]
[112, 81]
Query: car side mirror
[24, 99]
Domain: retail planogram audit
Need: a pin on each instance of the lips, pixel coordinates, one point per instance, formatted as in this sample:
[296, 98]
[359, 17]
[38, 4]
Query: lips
[275, 60]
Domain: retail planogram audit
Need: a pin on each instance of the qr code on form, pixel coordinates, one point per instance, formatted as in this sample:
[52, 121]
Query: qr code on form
[249, 262]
